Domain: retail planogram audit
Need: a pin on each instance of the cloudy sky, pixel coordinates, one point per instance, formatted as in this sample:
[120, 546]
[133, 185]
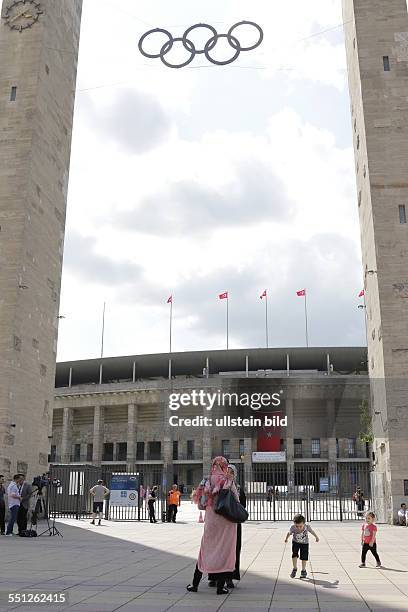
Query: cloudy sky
[196, 181]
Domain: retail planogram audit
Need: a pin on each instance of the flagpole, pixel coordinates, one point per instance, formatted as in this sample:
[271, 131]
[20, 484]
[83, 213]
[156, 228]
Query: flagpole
[307, 336]
[103, 328]
[227, 319]
[171, 322]
[266, 321]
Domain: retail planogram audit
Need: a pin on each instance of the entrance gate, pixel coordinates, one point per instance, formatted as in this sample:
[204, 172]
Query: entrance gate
[276, 493]
[71, 498]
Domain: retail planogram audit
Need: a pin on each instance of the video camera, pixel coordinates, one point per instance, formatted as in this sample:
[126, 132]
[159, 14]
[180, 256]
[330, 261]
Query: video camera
[40, 482]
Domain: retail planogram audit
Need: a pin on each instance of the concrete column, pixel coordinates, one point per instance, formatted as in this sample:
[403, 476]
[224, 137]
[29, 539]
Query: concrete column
[331, 440]
[131, 436]
[66, 442]
[207, 444]
[247, 460]
[248, 448]
[98, 434]
[290, 446]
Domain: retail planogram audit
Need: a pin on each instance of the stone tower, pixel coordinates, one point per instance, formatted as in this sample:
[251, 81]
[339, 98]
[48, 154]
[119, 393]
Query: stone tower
[377, 54]
[38, 63]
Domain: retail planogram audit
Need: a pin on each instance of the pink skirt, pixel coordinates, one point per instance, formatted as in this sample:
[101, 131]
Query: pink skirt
[218, 544]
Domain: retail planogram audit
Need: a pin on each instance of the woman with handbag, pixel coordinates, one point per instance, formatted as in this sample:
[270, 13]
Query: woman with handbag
[218, 545]
[236, 575]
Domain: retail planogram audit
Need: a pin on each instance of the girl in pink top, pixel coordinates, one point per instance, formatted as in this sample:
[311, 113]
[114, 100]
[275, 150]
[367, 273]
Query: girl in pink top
[368, 539]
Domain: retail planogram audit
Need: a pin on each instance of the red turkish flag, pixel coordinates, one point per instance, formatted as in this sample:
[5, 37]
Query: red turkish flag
[263, 294]
[301, 293]
[269, 437]
[361, 294]
[223, 296]
[170, 300]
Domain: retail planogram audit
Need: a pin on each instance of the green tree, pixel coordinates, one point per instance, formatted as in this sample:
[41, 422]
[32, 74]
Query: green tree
[366, 433]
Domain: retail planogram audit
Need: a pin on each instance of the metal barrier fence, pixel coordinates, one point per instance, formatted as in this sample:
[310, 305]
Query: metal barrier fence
[276, 493]
[149, 475]
[71, 499]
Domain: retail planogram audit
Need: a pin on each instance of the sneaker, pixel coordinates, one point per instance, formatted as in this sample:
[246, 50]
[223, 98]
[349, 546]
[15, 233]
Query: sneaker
[191, 588]
[362, 565]
[378, 565]
[92, 522]
[303, 574]
[293, 573]
[9, 535]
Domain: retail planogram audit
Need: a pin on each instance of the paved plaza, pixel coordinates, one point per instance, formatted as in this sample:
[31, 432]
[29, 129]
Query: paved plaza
[143, 566]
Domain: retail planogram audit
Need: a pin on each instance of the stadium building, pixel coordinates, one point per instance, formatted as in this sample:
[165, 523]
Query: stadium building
[114, 413]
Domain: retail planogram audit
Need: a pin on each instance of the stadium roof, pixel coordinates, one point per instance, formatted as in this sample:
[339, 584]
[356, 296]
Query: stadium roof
[345, 360]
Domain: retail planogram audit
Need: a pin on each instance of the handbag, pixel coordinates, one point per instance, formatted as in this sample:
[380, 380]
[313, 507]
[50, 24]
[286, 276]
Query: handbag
[227, 506]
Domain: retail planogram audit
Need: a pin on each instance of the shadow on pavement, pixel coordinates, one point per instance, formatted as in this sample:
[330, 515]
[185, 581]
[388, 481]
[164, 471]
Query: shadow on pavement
[143, 567]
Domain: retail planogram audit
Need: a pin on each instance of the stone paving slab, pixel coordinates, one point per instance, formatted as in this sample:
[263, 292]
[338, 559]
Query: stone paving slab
[137, 566]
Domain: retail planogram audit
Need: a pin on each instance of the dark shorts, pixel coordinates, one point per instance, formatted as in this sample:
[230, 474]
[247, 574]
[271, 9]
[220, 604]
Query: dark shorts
[98, 506]
[303, 549]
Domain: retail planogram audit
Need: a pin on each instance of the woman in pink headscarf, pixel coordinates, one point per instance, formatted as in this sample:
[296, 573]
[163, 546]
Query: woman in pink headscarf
[217, 551]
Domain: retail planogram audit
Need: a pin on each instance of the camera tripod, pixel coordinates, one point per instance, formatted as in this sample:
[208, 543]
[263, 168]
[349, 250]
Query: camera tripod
[51, 529]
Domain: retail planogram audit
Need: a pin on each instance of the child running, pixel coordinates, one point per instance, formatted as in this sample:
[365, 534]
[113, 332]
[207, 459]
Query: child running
[368, 539]
[300, 543]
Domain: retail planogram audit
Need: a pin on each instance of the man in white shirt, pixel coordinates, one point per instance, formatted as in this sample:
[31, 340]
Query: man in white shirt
[99, 493]
[403, 515]
[13, 499]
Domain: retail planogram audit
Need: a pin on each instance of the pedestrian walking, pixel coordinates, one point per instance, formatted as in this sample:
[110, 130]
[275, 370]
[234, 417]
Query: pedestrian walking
[99, 493]
[13, 499]
[218, 545]
[150, 503]
[369, 539]
[173, 503]
[300, 543]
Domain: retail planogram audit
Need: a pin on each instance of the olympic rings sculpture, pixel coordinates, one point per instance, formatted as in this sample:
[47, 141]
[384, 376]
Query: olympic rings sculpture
[208, 47]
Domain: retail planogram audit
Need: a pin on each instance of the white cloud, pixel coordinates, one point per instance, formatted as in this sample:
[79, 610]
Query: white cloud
[293, 183]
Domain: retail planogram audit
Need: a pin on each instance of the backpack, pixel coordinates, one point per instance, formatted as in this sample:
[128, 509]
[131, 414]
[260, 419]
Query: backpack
[201, 495]
[28, 533]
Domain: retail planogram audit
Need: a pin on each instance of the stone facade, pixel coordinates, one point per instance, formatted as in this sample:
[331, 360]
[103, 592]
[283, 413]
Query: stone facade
[38, 67]
[377, 53]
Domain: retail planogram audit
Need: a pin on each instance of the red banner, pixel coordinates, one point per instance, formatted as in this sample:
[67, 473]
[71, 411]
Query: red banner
[269, 437]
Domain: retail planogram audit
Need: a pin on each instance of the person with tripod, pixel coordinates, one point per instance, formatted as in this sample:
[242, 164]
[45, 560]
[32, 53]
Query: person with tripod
[99, 493]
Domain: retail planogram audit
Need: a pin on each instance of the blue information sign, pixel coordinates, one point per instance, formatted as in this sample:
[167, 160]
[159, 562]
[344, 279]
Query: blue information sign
[124, 490]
